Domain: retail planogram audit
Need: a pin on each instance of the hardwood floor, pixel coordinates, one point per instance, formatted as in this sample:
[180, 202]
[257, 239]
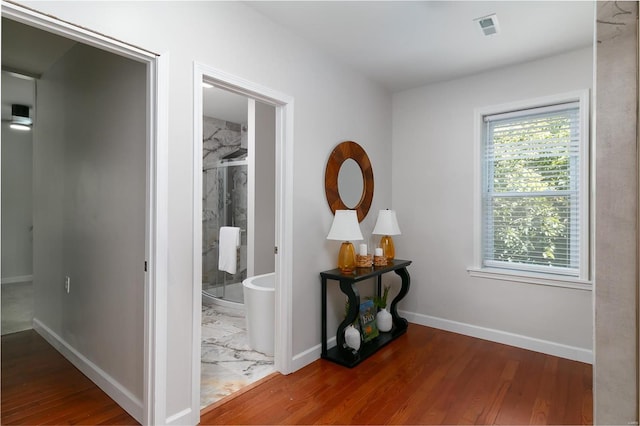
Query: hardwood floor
[39, 386]
[427, 376]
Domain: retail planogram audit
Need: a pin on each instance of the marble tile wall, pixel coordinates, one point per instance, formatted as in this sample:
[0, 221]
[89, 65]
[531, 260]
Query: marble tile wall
[224, 200]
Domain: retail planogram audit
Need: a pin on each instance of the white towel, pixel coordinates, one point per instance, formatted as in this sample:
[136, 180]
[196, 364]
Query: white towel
[228, 248]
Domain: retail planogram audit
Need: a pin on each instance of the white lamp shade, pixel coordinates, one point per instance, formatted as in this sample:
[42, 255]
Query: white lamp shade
[345, 226]
[387, 223]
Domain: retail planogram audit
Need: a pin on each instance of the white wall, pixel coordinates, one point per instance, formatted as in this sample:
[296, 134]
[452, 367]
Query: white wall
[332, 104]
[433, 183]
[17, 246]
[89, 210]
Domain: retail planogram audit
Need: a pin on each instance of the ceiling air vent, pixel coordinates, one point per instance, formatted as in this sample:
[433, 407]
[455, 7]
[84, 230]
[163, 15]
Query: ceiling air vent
[488, 24]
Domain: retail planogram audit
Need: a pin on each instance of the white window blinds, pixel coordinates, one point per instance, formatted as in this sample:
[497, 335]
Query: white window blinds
[531, 190]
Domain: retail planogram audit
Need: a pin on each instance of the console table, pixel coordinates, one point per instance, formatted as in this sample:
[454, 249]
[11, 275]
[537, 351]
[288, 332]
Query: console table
[341, 353]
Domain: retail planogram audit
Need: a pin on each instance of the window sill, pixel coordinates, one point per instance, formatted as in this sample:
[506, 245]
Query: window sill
[531, 278]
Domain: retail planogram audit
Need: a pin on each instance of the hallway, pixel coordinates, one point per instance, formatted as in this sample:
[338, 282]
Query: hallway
[39, 386]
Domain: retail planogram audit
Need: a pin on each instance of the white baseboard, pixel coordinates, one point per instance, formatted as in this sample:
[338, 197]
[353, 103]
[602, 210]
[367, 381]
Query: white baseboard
[525, 342]
[182, 418]
[305, 358]
[17, 279]
[108, 384]
[499, 336]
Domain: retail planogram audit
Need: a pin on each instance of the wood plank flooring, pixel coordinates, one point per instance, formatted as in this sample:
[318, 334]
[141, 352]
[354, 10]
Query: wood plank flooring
[427, 376]
[39, 386]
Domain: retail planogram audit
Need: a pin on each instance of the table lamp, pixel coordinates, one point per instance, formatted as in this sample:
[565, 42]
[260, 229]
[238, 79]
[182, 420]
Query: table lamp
[387, 225]
[345, 228]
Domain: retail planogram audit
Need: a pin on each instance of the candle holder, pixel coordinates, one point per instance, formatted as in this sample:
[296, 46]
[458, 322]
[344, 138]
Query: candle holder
[365, 261]
[379, 261]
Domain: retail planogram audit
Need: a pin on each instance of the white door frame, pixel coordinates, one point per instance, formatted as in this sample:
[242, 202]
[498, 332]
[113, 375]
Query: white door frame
[284, 212]
[153, 405]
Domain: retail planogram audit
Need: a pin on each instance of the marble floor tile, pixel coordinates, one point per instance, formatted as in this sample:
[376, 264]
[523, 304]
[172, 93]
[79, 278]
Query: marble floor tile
[17, 307]
[227, 362]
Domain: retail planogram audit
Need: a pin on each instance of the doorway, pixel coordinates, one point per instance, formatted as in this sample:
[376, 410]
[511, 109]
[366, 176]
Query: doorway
[283, 106]
[17, 229]
[238, 230]
[135, 394]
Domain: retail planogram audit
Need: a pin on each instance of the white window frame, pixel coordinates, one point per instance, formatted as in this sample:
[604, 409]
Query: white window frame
[526, 274]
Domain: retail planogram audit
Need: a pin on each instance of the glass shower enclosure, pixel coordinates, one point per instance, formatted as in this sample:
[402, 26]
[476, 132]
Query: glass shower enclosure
[224, 203]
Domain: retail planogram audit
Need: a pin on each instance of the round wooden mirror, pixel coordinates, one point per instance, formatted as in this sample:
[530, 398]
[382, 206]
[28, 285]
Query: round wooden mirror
[333, 185]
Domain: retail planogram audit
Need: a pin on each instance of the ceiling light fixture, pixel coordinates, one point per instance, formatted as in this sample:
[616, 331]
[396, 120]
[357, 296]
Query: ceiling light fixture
[488, 24]
[20, 119]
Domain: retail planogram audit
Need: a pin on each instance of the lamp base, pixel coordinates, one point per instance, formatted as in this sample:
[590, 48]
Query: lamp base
[347, 258]
[388, 250]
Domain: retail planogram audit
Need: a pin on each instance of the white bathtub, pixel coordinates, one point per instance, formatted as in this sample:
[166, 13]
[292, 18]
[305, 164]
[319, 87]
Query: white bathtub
[260, 304]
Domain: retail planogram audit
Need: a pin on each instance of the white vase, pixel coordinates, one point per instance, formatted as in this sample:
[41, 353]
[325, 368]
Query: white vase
[384, 320]
[352, 337]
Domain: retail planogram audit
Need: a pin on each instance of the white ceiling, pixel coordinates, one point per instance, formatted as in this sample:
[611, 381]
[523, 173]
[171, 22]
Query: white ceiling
[406, 44]
[400, 44]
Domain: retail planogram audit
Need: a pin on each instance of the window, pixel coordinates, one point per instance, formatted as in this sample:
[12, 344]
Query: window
[533, 201]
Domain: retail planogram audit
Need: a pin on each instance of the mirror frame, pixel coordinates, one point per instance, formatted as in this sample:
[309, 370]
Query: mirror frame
[344, 151]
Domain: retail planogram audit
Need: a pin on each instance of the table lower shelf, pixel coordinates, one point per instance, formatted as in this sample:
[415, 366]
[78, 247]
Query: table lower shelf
[347, 359]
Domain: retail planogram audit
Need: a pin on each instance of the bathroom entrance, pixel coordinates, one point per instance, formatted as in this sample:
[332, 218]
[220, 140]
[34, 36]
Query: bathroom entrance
[267, 246]
[238, 192]
[238, 239]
